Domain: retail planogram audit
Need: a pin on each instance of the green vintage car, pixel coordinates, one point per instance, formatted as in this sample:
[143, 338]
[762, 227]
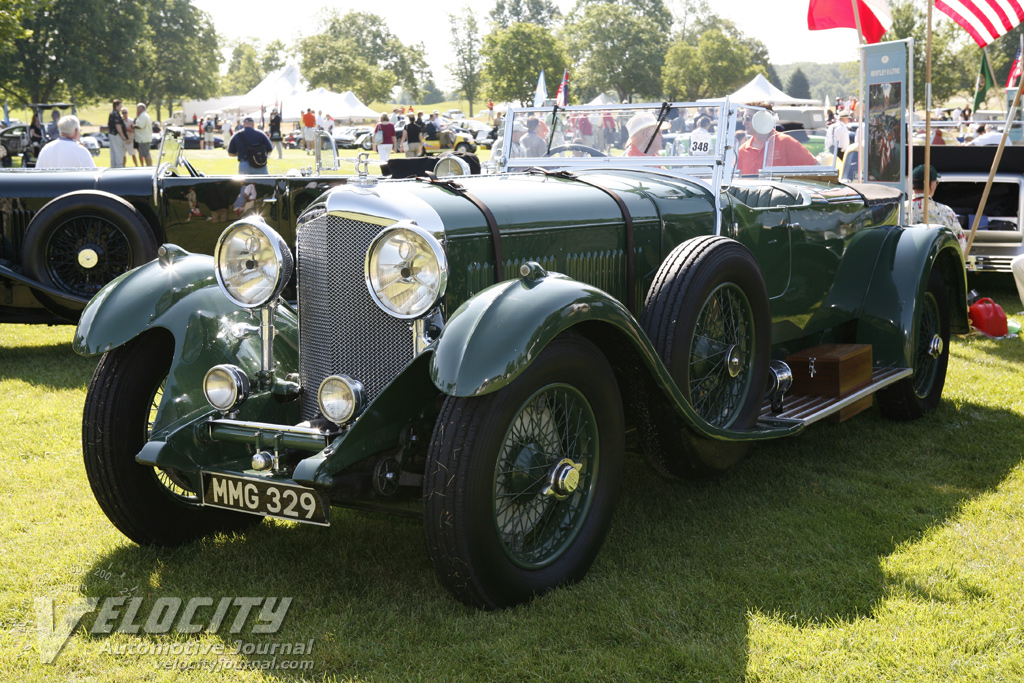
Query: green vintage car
[472, 350]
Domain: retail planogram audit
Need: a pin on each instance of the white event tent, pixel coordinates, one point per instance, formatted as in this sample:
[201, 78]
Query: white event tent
[761, 90]
[290, 93]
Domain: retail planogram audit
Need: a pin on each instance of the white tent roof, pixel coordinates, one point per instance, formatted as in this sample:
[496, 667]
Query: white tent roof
[760, 90]
[340, 106]
[603, 99]
[280, 88]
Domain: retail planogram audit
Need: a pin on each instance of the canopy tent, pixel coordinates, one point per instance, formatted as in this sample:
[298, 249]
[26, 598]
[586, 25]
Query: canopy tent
[340, 106]
[279, 89]
[760, 90]
[603, 99]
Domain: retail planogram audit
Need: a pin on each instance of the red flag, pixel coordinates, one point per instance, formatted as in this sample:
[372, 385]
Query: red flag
[563, 90]
[1015, 71]
[875, 17]
[985, 20]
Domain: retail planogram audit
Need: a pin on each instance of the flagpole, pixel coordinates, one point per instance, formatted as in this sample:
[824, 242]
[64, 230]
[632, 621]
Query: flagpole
[927, 116]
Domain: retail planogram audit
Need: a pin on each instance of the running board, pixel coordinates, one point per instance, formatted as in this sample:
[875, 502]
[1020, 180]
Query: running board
[808, 409]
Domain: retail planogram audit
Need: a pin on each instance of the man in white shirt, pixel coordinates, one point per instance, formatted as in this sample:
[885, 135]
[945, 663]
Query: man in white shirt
[990, 137]
[837, 137]
[143, 133]
[66, 151]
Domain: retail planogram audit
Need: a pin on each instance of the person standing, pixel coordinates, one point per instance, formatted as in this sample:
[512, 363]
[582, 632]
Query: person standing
[208, 127]
[412, 144]
[533, 144]
[251, 146]
[386, 131]
[66, 151]
[308, 126]
[51, 128]
[837, 137]
[117, 134]
[275, 132]
[129, 145]
[490, 111]
[143, 133]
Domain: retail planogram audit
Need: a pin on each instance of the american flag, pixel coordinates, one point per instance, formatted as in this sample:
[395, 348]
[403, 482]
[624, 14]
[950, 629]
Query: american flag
[985, 20]
[1015, 71]
[562, 96]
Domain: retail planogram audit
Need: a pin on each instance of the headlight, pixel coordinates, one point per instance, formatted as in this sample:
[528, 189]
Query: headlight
[340, 398]
[253, 263]
[226, 387]
[406, 270]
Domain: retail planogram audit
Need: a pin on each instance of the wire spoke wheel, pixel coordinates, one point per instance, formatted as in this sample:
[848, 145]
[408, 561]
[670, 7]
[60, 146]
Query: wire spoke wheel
[719, 353]
[536, 511]
[928, 330]
[86, 252]
[169, 479]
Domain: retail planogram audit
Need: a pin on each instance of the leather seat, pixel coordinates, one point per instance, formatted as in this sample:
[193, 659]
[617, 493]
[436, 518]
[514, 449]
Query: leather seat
[762, 196]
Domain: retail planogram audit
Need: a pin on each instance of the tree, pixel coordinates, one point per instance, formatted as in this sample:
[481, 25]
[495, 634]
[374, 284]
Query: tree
[431, 93]
[333, 64]
[507, 12]
[715, 67]
[798, 86]
[77, 50]
[466, 70]
[615, 47]
[179, 56]
[245, 70]
[370, 46]
[655, 10]
[272, 57]
[953, 67]
[515, 57]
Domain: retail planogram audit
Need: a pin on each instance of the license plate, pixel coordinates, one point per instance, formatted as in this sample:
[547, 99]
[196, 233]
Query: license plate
[266, 498]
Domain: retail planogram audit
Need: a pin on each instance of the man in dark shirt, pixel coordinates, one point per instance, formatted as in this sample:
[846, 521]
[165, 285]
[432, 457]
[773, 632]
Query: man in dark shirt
[118, 136]
[411, 143]
[247, 142]
[275, 132]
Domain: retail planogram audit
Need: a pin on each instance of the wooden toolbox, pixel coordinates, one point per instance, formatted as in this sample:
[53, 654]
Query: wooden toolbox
[833, 370]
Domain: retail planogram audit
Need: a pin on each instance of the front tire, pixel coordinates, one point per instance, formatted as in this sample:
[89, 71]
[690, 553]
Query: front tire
[521, 483]
[708, 316]
[148, 505]
[920, 393]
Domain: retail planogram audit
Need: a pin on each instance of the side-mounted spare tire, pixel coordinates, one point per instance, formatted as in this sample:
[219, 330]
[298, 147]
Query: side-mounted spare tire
[708, 316]
[82, 240]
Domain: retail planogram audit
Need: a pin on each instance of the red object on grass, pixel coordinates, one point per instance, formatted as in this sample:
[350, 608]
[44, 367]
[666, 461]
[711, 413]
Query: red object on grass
[988, 317]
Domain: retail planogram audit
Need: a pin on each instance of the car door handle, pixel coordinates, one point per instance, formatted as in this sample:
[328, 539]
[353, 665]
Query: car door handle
[270, 200]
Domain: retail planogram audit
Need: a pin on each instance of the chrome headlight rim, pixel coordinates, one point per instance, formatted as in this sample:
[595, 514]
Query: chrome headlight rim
[439, 256]
[238, 381]
[282, 255]
[358, 400]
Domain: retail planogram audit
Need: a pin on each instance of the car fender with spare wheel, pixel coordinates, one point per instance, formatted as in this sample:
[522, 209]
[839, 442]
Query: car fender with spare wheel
[708, 316]
[82, 240]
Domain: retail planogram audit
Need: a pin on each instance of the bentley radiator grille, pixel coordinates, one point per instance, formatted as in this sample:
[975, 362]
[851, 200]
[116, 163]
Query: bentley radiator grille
[341, 329]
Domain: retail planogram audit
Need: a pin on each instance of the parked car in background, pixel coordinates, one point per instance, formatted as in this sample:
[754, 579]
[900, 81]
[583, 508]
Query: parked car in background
[101, 138]
[190, 138]
[475, 352]
[353, 137]
[293, 140]
[66, 233]
[91, 144]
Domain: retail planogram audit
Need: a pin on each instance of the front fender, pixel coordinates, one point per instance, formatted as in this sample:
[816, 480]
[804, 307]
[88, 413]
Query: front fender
[890, 312]
[494, 336]
[179, 293]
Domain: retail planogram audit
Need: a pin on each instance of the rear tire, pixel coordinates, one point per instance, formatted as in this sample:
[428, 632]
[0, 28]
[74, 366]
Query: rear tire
[920, 393]
[148, 505]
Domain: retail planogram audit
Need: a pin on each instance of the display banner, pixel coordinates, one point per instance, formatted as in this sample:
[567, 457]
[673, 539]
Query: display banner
[886, 77]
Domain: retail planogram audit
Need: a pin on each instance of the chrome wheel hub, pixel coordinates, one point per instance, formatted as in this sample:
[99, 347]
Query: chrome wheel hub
[734, 360]
[935, 346]
[88, 258]
[564, 479]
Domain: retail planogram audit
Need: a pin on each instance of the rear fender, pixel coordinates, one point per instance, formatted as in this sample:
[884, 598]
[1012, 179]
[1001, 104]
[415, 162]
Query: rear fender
[890, 312]
[494, 336]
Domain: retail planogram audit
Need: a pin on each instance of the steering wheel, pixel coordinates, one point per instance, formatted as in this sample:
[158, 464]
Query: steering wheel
[575, 148]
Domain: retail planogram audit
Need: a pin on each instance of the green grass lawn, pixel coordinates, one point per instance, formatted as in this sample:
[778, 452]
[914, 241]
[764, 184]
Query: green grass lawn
[866, 551]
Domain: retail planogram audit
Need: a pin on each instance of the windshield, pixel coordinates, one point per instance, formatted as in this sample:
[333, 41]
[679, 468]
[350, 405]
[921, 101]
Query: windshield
[699, 139]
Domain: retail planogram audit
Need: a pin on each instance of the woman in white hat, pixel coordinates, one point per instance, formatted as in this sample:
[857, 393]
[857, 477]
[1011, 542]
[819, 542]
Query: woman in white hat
[644, 136]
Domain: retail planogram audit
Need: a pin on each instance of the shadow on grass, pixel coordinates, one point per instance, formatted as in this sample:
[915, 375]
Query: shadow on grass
[798, 531]
[55, 366]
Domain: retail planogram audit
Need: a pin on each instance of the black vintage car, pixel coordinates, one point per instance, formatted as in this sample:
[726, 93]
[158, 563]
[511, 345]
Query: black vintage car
[64, 234]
